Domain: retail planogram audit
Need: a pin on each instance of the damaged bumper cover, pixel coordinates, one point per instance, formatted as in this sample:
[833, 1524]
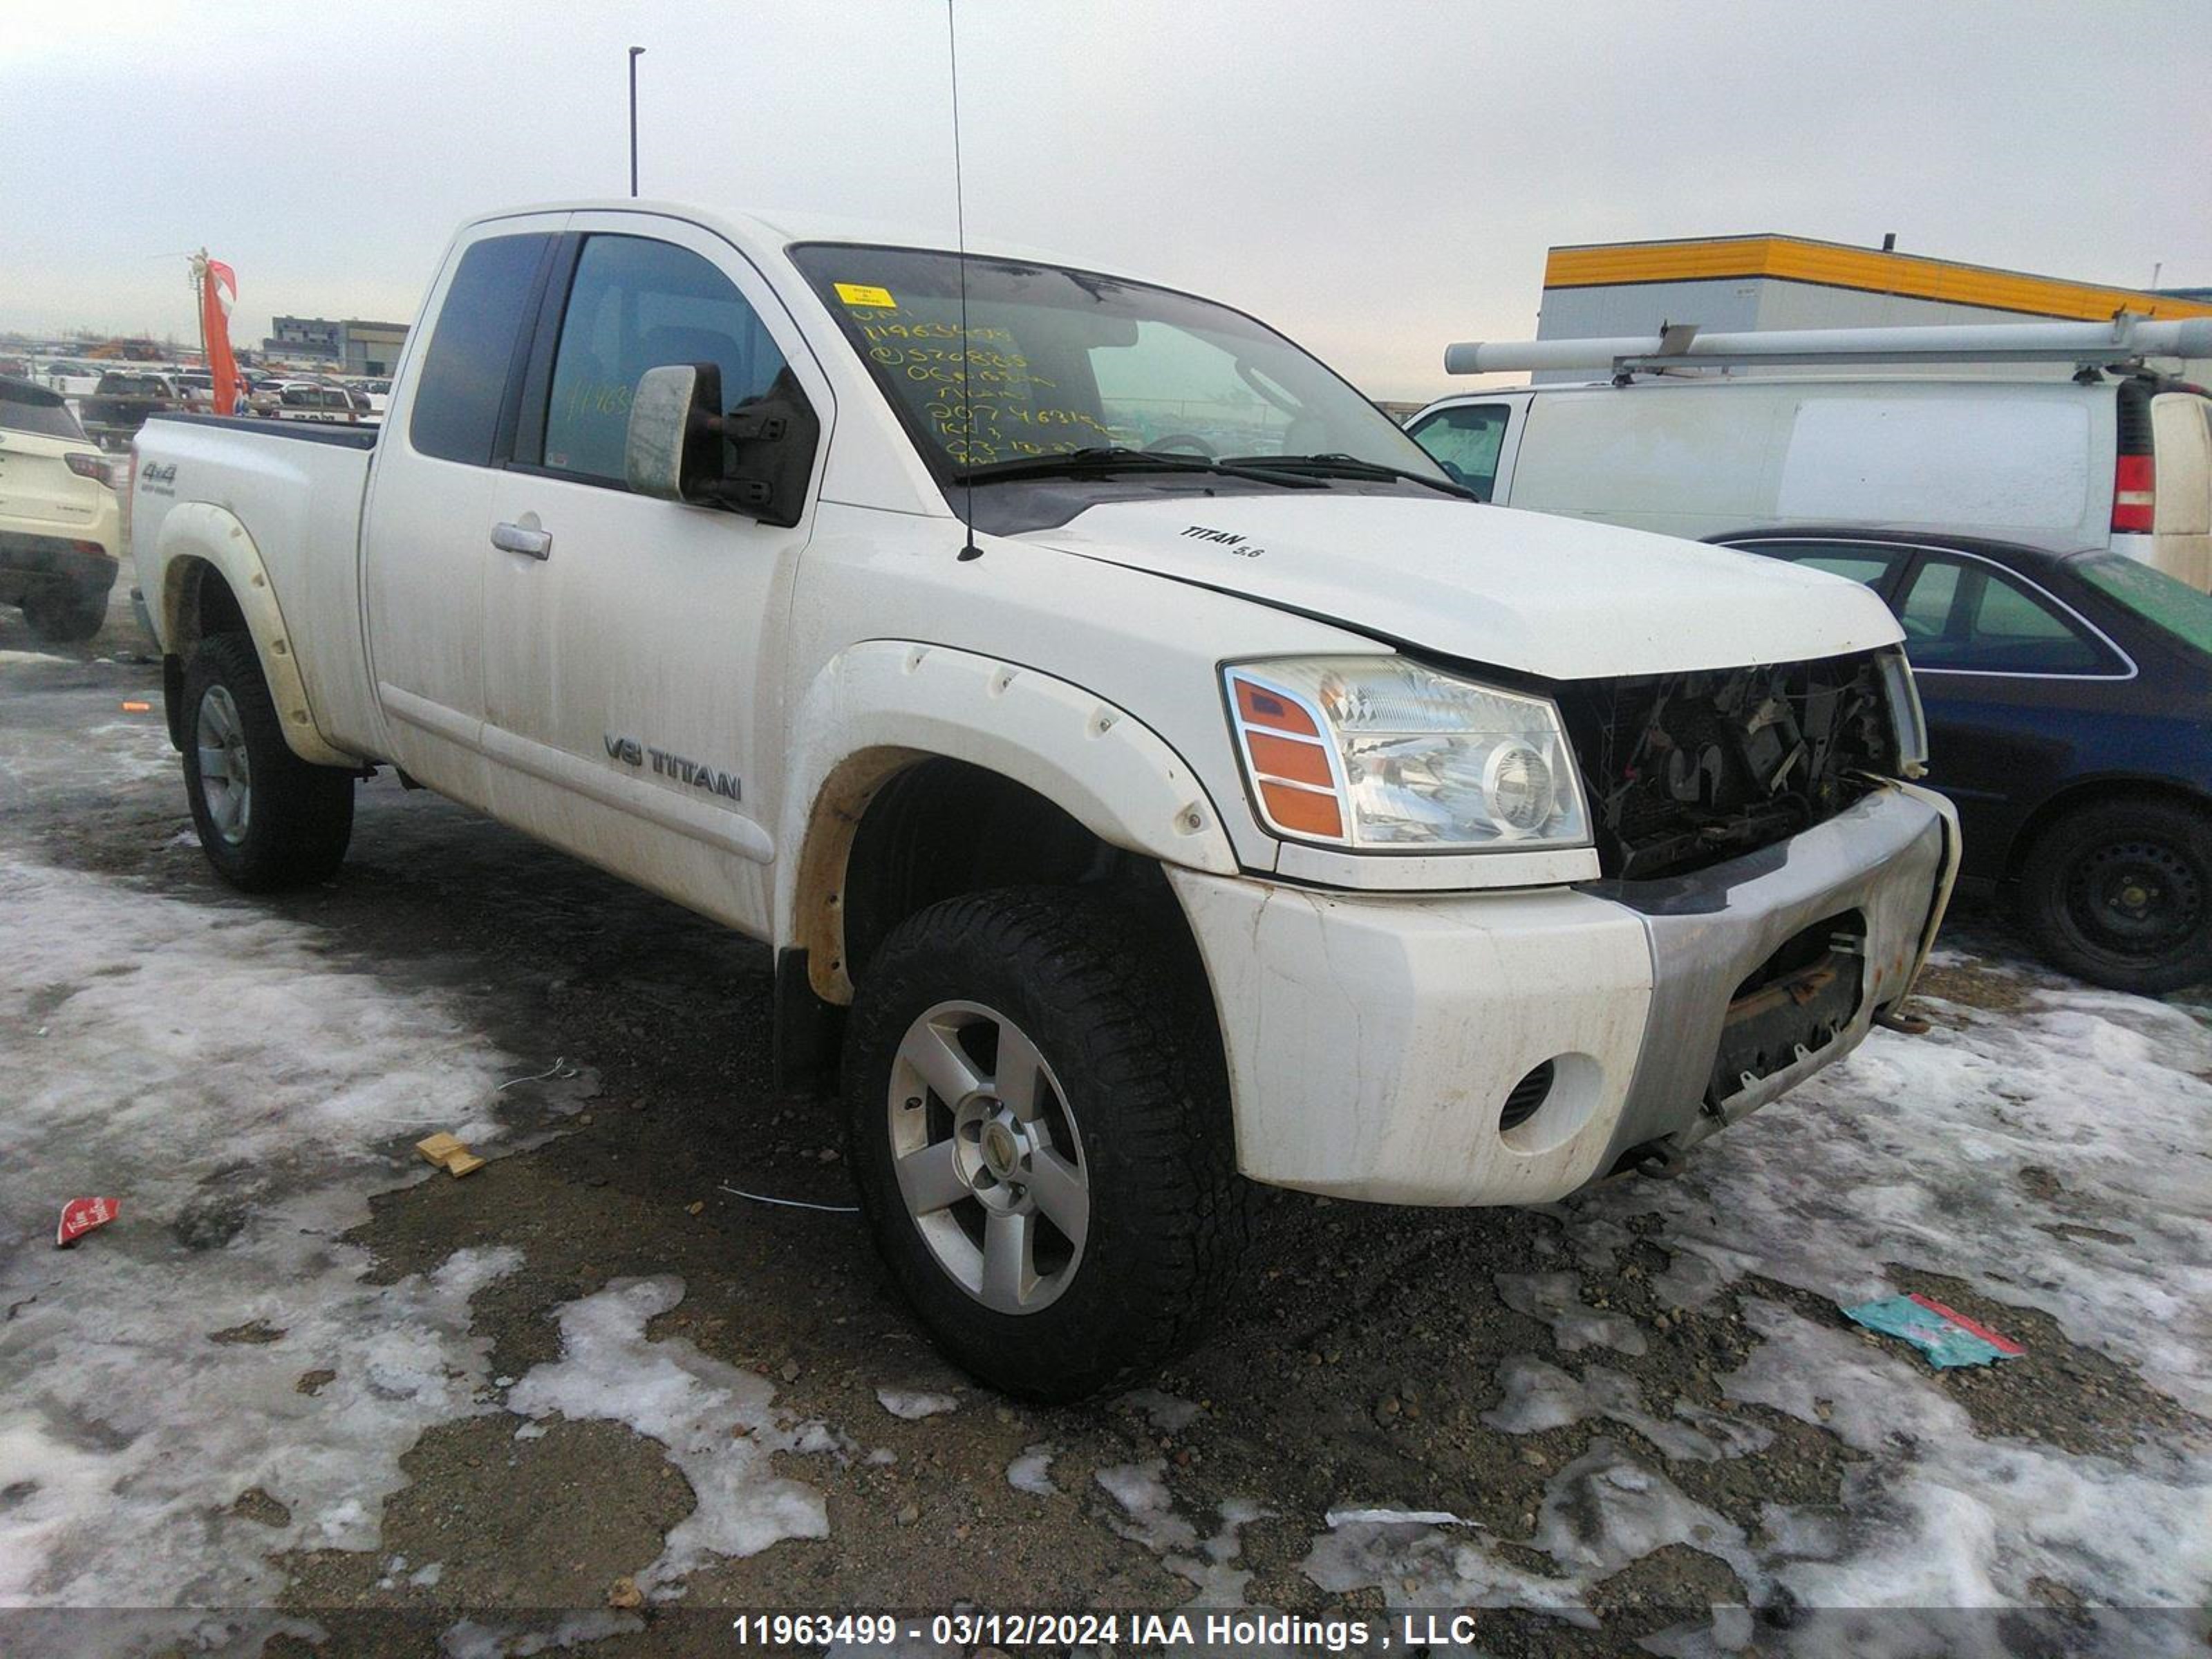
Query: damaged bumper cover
[1510, 1046]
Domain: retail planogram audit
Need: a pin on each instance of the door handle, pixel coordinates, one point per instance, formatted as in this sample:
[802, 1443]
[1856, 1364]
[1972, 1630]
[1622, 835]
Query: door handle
[531, 543]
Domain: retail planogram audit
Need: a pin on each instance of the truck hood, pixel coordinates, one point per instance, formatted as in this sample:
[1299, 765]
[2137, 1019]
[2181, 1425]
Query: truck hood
[1564, 598]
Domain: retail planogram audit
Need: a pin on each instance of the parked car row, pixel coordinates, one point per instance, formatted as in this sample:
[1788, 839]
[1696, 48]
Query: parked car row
[2032, 537]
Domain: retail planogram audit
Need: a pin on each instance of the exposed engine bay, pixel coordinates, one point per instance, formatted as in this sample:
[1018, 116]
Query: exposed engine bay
[1686, 770]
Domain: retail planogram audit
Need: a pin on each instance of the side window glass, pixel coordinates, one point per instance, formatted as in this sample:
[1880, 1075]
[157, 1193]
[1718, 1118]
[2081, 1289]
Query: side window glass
[1981, 620]
[1861, 565]
[2015, 631]
[1864, 568]
[463, 378]
[636, 304]
[1926, 612]
[1465, 441]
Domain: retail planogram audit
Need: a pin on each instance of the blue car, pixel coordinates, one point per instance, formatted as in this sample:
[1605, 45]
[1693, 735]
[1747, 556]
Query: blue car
[2069, 718]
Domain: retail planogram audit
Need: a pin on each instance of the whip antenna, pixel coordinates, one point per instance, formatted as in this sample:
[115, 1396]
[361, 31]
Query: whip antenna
[960, 224]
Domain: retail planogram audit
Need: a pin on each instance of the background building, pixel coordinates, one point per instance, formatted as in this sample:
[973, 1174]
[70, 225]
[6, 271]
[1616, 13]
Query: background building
[1726, 284]
[350, 347]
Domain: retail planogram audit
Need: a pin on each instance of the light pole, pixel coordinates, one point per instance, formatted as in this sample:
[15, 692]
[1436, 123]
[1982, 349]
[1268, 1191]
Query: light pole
[636, 52]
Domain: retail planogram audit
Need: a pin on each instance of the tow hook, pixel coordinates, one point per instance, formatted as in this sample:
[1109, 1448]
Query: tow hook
[1662, 1160]
[1893, 1019]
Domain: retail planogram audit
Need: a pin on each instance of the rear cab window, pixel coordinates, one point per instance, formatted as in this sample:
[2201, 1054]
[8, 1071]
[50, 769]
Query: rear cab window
[463, 387]
[1465, 441]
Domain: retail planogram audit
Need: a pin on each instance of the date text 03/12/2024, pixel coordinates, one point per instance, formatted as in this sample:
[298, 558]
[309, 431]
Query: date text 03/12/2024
[1015, 1630]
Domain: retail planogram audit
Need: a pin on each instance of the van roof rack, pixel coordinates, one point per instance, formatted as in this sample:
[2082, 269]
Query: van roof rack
[2127, 338]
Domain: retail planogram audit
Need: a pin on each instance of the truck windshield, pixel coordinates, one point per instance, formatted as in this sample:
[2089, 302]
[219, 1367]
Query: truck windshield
[2168, 604]
[1051, 362]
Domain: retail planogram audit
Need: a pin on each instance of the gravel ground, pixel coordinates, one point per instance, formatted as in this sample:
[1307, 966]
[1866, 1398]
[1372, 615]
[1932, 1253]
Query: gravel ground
[307, 1397]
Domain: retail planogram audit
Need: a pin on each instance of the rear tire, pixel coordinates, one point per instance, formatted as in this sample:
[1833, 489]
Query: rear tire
[1060, 1224]
[66, 619]
[267, 819]
[2120, 893]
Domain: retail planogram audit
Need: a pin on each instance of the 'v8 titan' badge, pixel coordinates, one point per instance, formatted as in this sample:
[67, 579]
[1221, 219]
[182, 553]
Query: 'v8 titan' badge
[631, 752]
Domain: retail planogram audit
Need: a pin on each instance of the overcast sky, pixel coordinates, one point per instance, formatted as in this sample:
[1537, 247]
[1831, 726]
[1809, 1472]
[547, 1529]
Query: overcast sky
[1376, 178]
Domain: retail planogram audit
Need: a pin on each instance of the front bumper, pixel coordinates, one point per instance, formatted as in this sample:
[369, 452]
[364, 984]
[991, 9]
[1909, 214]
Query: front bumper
[1372, 1042]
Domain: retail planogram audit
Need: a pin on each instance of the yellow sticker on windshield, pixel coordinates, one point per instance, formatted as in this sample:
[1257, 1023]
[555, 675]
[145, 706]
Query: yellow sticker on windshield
[859, 294]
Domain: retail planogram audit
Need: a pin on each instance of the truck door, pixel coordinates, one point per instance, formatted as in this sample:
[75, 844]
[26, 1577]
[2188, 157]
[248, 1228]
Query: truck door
[632, 647]
[426, 545]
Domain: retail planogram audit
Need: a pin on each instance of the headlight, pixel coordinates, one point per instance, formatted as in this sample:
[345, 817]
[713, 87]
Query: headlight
[1908, 727]
[1379, 753]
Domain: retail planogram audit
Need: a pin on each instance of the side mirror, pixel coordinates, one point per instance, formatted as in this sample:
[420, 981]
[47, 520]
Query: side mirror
[670, 451]
[756, 460]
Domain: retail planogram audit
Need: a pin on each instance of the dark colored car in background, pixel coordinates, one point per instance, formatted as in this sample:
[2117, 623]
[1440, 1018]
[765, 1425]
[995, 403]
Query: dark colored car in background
[113, 410]
[2069, 718]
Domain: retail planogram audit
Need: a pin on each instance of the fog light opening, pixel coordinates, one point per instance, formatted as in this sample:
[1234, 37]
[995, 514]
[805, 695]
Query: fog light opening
[1552, 1105]
[1527, 1098]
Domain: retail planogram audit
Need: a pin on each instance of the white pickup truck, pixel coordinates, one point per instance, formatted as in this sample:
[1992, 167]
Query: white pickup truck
[1150, 771]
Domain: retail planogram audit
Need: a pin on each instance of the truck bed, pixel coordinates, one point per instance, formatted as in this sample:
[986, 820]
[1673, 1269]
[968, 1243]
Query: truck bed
[358, 436]
[293, 489]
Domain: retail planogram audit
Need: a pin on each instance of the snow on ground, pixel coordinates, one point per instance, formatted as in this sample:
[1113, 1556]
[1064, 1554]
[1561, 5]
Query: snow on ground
[242, 1094]
[719, 1425]
[1970, 1522]
[1556, 1298]
[1923, 1150]
[1978, 1151]
[1164, 1411]
[913, 1404]
[135, 746]
[1149, 1516]
[1032, 1472]
[1539, 1396]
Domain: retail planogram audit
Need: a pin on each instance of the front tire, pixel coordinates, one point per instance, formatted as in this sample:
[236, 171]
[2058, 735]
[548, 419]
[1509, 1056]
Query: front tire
[267, 819]
[1048, 1171]
[2120, 893]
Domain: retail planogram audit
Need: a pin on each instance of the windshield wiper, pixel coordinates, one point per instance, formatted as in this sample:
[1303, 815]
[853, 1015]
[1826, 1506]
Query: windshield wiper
[1333, 465]
[1105, 459]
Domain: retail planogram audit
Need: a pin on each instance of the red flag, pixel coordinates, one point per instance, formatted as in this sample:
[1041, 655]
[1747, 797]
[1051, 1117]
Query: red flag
[218, 293]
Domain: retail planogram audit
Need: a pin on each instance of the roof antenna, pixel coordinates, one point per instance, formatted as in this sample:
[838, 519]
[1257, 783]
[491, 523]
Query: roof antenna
[960, 219]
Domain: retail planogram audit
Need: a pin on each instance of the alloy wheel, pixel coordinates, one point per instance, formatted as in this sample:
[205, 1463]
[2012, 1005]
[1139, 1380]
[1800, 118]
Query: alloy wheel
[987, 1156]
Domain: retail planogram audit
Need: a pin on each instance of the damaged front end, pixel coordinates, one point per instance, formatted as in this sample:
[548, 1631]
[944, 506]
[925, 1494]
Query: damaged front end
[1756, 821]
[1686, 770]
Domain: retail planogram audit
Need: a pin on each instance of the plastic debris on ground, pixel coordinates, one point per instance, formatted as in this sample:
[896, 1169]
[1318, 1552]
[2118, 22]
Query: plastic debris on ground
[1336, 1518]
[1947, 1337]
[81, 1215]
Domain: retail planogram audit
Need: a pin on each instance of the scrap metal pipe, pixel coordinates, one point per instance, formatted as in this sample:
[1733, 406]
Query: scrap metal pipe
[2125, 337]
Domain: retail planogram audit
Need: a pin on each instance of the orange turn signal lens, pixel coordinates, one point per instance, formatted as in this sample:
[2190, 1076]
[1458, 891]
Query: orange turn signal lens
[1286, 757]
[1261, 706]
[1302, 811]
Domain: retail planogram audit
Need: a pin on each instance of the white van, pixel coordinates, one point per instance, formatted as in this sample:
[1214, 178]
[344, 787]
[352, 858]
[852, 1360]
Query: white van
[2123, 462]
